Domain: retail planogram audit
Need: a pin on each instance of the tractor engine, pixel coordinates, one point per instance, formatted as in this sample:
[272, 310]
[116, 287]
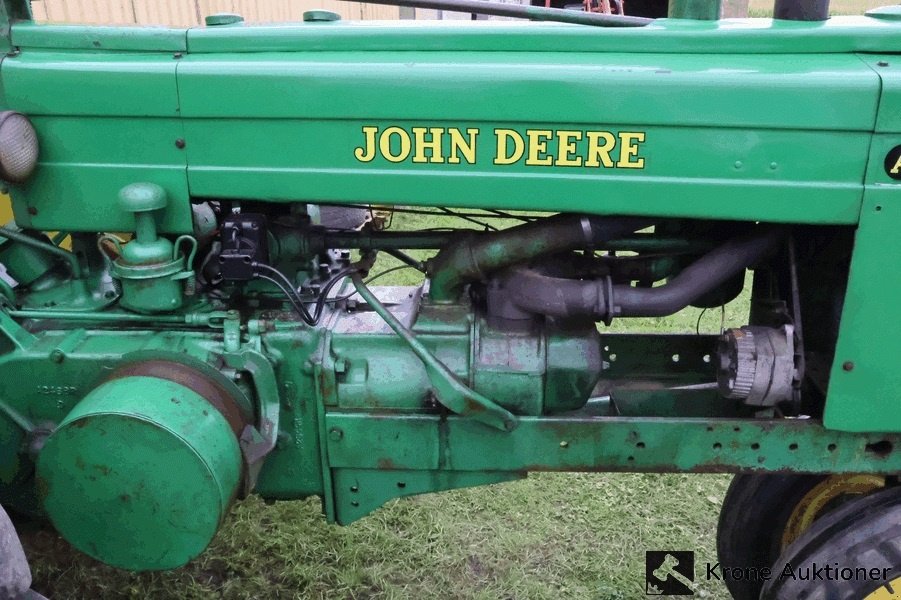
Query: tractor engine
[165, 377]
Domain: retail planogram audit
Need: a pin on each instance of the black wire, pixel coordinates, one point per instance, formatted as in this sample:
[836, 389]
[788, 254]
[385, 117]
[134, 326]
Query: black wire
[370, 280]
[506, 215]
[287, 282]
[300, 308]
[283, 283]
[447, 212]
[296, 300]
[451, 213]
[698, 324]
[321, 301]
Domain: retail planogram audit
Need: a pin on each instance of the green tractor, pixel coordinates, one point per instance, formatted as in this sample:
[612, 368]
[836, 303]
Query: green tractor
[186, 315]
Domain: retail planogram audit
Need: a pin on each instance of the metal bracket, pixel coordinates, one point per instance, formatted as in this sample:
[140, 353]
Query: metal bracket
[257, 442]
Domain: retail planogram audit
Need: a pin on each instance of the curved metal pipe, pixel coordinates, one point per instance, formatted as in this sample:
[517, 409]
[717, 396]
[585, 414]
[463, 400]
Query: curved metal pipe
[534, 293]
[475, 256]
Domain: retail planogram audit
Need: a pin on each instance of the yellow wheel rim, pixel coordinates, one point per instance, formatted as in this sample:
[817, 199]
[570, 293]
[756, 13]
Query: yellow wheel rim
[821, 496]
[890, 591]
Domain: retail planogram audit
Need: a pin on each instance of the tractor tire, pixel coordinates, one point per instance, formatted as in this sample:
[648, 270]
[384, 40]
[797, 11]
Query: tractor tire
[15, 576]
[760, 516]
[864, 533]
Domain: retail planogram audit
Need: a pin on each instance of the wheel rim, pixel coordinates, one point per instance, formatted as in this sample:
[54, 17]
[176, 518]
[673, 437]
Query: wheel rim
[890, 591]
[823, 496]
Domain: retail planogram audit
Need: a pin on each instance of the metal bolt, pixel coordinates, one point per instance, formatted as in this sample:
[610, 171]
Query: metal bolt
[178, 55]
[564, 444]
[32, 211]
[335, 434]
[57, 356]
[179, 143]
[848, 365]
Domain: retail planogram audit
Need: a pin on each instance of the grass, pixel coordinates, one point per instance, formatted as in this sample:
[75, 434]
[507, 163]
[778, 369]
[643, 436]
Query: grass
[764, 8]
[552, 535]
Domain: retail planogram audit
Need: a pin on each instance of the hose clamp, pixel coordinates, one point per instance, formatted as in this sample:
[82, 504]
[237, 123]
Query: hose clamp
[587, 232]
[605, 297]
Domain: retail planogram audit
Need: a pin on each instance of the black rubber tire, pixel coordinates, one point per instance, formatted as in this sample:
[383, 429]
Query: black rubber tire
[865, 532]
[754, 514]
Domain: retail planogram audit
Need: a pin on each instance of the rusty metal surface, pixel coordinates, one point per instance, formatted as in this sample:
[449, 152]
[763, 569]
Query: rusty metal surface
[205, 387]
[609, 444]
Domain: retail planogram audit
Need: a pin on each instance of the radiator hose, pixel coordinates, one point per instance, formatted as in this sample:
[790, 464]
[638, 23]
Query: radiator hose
[478, 255]
[521, 291]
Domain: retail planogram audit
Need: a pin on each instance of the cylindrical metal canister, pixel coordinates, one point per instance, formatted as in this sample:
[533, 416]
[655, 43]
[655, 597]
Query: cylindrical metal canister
[140, 473]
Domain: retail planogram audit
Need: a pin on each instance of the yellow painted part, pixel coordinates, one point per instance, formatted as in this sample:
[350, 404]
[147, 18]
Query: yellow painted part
[890, 591]
[818, 498]
[6, 215]
[6, 211]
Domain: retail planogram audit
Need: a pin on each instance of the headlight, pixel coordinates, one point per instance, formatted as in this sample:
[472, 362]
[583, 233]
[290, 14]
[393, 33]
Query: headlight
[18, 147]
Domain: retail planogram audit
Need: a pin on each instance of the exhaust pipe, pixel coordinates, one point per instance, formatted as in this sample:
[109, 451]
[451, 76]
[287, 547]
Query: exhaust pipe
[801, 10]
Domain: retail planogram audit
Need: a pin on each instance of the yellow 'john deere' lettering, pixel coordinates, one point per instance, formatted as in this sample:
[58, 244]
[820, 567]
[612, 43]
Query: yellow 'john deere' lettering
[530, 147]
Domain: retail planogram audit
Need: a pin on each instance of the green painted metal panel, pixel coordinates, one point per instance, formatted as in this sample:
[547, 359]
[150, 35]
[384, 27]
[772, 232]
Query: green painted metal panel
[104, 120]
[746, 121]
[83, 167]
[606, 444]
[889, 69]
[107, 84]
[359, 492]
[865, 381]
[759, 36]
[742, 174]
[133, 39]
[287, 135]
[760, 92]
